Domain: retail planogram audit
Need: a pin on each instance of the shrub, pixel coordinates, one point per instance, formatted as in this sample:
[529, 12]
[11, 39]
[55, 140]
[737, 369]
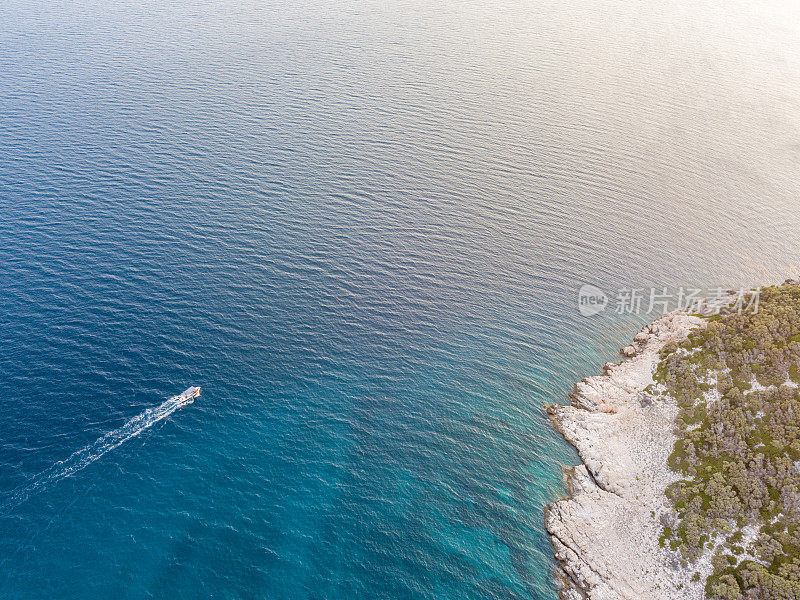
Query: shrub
[738, 454]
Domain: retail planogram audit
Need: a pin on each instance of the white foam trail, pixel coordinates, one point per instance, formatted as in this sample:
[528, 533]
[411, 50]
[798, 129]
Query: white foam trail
[86, 456]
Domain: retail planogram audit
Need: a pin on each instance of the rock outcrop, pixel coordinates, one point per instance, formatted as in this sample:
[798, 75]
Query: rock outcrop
[605, 535]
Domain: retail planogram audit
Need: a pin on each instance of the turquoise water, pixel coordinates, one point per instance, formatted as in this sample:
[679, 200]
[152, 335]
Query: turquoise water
[361, 227]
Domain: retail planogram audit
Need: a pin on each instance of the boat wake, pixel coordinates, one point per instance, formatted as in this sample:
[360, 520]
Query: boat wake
[94, 451]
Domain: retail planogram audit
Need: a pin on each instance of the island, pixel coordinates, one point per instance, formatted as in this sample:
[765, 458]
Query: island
[689, 486]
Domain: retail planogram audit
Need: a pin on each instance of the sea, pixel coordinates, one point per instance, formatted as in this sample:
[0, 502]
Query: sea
[363, 228]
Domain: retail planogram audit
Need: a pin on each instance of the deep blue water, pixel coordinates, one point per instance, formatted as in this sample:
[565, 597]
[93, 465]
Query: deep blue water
[360, 227]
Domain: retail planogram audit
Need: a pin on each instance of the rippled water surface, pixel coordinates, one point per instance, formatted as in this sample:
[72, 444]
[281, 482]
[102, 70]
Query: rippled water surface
[361, 228]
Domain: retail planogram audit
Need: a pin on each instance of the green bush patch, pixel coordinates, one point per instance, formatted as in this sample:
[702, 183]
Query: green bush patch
[739, 455]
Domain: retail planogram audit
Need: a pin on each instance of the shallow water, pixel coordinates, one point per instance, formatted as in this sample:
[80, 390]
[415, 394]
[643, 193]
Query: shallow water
[361, 228]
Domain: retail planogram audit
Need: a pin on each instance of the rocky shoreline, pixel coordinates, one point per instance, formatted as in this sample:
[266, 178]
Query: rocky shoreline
[606, 533]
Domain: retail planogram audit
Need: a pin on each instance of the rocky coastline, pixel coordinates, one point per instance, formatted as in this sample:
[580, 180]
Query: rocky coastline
[605, 535]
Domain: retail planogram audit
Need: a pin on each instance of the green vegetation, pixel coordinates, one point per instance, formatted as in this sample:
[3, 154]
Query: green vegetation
[739, 448]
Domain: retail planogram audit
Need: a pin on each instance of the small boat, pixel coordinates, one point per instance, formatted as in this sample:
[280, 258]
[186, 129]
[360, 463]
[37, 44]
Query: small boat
[189, 395]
